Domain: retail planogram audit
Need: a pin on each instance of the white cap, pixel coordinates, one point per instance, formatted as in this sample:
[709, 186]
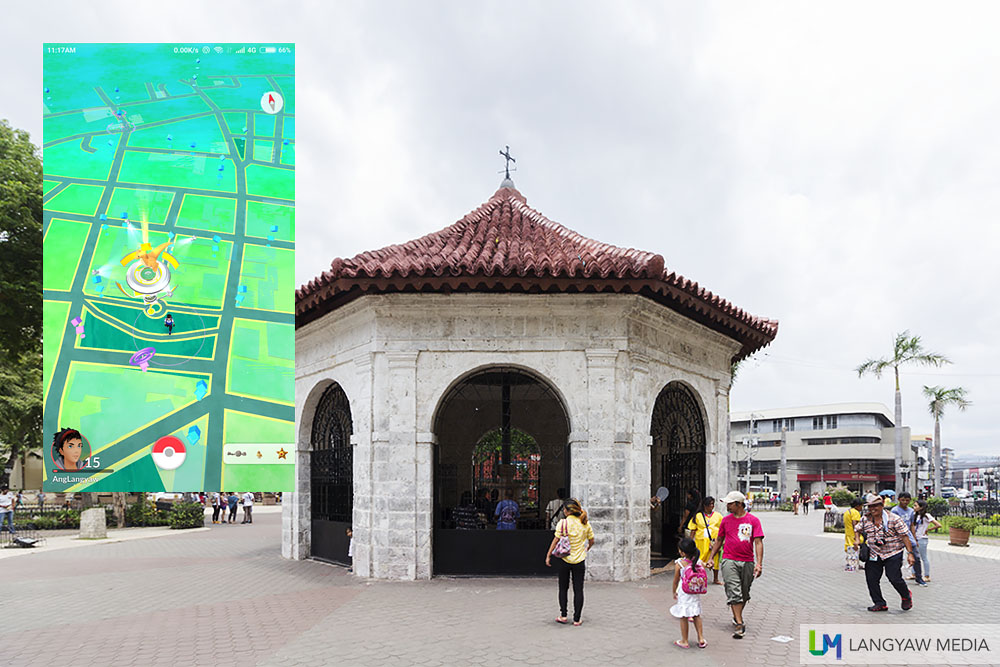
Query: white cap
[872, 499]
[734, 497]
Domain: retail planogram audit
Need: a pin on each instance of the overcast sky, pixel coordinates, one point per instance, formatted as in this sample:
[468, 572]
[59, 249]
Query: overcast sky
[835, 168]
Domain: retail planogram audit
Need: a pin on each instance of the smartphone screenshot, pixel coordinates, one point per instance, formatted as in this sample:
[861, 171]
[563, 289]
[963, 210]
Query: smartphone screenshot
[169, 252]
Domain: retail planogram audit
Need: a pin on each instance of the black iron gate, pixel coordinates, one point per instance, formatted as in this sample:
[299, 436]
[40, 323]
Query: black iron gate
[678, 460]
[500, 430]
[332, 476]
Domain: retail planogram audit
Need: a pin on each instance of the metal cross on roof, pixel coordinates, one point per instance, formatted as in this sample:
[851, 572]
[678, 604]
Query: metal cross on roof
[506, 155]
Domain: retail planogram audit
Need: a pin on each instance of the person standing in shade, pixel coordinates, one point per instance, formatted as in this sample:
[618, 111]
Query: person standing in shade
[691, 507]
[577, 527]
[7, 500]
[233, 501]
[248, 507]
[168, 322]
[922, 521]
[851, 518]
[553, 511]
[886, 536]
[507, 512]
[741, 539]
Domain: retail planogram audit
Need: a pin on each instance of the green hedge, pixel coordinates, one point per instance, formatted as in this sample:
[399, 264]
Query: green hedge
[842, 497]
[937, 506]
[144, 513]
[187, 515]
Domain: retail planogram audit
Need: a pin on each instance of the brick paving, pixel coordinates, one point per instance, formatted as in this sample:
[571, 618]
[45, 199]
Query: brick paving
[226, 597]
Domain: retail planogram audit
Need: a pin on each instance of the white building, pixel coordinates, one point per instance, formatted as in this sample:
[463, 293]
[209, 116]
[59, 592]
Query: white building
[505, 353]
[850, 444]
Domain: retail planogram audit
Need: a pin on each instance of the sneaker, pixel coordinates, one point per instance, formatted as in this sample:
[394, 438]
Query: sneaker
[921, 583]
[878, 607]
[908, 603]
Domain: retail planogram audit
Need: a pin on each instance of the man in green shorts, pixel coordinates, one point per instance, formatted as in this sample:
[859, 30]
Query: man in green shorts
[740, 538]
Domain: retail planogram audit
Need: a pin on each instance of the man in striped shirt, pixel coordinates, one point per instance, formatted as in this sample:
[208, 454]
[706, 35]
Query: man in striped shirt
[886, 535]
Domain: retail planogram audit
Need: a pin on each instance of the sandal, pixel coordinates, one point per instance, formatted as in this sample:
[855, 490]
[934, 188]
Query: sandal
[741, 630]
[577, 623]
[562, 619]
[678, 644]
[702, 644]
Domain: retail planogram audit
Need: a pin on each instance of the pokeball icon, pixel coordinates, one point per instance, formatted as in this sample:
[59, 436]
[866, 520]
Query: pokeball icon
[168, 453]
[142, 358]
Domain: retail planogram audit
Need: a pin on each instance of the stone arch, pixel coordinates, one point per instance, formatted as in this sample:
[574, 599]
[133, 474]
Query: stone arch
[326, 428]
[529, 426]
[439, 398]
[678, 458]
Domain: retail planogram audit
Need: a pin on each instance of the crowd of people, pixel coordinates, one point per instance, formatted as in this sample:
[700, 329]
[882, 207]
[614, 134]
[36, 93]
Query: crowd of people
[230, 501]
[730, 545]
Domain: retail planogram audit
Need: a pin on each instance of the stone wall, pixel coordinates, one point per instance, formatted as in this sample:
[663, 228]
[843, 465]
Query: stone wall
[607, 356]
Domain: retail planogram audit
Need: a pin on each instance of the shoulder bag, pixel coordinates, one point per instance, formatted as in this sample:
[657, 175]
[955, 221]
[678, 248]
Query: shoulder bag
[563, 546]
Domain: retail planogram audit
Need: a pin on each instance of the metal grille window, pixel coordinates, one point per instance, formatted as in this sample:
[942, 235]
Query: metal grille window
[831, 421]
[332, 459]
[678, 459]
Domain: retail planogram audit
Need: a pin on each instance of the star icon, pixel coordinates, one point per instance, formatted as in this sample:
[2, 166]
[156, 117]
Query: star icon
[282, 453]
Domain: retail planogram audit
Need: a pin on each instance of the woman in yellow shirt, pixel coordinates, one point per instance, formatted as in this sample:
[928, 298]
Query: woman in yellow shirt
[581, 538]
[704, 527]
[851, 517]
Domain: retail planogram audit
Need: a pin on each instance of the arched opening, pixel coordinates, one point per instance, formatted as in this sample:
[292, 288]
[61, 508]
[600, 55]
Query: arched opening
[677, 460]
[331, 475]
[502, 455]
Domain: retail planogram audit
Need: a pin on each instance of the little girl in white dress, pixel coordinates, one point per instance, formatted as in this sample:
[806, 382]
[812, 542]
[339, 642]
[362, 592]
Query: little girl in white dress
[690, 583]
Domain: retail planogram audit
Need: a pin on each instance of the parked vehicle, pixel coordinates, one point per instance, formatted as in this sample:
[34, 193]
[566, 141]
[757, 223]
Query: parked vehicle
[948, 491]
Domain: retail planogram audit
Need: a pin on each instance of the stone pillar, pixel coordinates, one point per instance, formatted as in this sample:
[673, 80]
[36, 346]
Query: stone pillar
[599, 467]
[394, 469]
[93, 524]
[362, 516]
[640, 482]
[424, 500]
[723, 467]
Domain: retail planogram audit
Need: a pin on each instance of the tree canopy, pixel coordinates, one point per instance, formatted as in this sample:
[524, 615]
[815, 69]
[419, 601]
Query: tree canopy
[20, 295]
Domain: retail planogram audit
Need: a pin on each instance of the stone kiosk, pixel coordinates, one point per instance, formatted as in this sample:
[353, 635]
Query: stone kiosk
[505, 354]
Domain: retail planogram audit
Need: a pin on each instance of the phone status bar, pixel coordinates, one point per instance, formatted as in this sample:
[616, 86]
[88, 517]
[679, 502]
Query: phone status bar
[235, 49]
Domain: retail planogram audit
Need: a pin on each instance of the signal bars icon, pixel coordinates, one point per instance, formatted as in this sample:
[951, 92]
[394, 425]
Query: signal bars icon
[242, 49]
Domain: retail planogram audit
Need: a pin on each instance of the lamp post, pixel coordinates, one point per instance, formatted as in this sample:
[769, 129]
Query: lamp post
[751, 442]
[904, 468]
[990, 478]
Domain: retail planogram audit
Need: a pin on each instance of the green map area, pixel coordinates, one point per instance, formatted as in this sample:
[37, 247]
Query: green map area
[169, 190]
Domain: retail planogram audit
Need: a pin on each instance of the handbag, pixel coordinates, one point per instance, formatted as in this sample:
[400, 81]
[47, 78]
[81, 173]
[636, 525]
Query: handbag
[864, 553]
[563, 546]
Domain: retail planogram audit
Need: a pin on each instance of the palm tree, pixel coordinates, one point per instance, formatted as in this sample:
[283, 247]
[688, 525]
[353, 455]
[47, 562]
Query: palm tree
[906, 349]
[939, 399]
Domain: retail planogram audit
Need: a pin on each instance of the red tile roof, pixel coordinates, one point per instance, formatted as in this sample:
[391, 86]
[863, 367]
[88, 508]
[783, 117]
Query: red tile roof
[506, 246]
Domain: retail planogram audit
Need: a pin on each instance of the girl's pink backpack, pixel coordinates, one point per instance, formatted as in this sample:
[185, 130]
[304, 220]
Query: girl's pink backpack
[694, 579]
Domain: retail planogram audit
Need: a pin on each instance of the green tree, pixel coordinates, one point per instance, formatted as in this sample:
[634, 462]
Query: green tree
[20, 408]
[906, 350]
[20, 297]
[938, 399]
[20, 242]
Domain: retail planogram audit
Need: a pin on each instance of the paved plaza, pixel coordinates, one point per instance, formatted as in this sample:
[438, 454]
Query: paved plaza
[224, 596]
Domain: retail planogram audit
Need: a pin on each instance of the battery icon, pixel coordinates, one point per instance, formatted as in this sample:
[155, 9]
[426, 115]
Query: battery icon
[268, 49]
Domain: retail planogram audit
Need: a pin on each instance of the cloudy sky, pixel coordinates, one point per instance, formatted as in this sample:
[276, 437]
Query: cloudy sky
[835, 168]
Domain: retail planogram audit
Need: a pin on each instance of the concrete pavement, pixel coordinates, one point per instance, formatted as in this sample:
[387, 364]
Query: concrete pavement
[226, 597]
